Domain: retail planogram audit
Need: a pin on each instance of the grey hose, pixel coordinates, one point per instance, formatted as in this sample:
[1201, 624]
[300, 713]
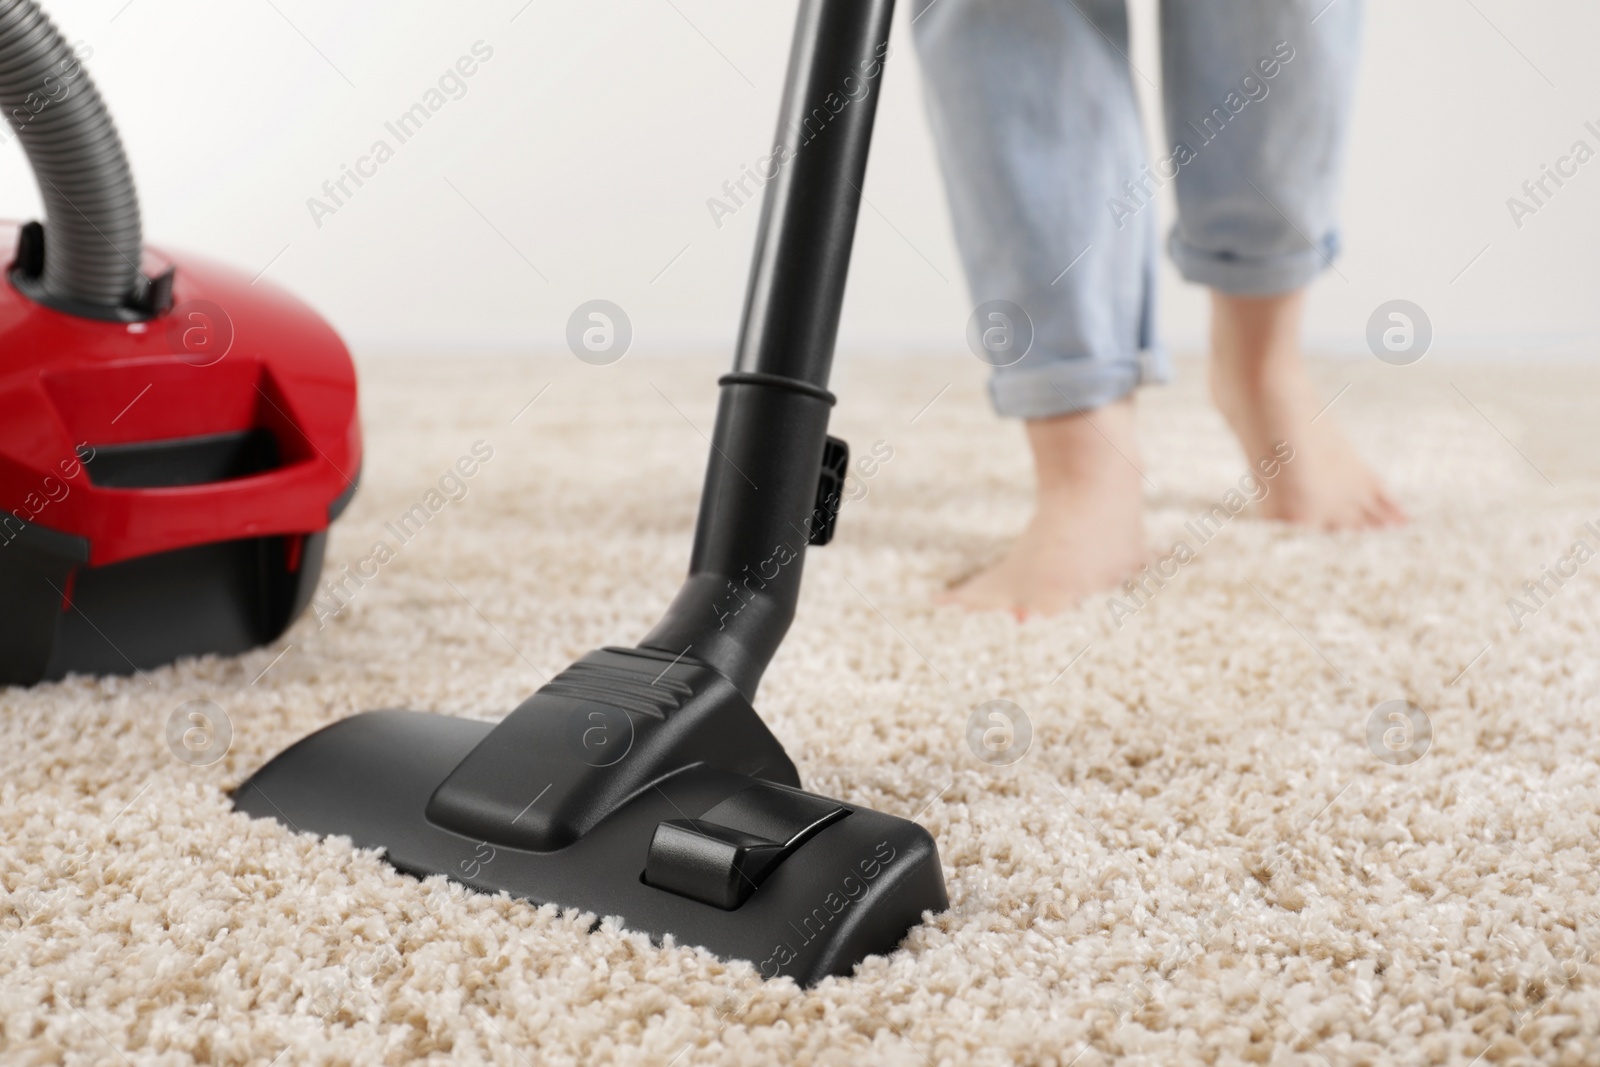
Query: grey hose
[92, 212]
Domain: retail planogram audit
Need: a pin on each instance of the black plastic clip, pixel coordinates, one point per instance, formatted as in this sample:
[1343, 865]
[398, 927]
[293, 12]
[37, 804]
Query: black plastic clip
[723, 856]
[150, 298]
[830, 491]
[153, 296]
[29, 260]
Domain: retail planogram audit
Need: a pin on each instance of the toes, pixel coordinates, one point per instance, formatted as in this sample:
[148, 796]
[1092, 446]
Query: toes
[1356, 513]
[1379, 510]
[1386, 511]
[1395, 514]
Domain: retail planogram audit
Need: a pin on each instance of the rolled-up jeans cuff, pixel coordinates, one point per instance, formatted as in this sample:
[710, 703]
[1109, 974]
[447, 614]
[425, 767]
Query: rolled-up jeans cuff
[1253, 276]
[1071, 386]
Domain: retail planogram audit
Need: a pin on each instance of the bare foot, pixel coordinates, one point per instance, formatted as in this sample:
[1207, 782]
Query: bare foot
[1260, 385]
[1087, 530]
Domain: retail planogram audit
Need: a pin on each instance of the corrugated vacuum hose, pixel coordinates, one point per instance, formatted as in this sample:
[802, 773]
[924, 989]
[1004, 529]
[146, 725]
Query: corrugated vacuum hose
[72, 144]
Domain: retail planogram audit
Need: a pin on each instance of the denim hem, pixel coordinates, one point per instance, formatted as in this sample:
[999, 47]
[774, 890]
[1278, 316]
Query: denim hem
[1071, 386]
[1264, 276]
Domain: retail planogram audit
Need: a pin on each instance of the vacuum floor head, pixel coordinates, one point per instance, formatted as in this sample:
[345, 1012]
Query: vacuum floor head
[633, 785]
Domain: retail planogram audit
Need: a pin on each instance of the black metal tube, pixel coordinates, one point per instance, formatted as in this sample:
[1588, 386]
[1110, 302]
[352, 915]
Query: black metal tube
[808, 220]
[757, 507]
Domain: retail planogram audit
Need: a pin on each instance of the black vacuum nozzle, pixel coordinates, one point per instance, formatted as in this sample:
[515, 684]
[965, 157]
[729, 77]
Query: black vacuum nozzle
[640, 783]
[632, 785]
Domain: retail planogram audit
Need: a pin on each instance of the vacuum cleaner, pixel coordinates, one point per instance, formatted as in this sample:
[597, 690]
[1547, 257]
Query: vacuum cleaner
[639, 782]
[175, 437]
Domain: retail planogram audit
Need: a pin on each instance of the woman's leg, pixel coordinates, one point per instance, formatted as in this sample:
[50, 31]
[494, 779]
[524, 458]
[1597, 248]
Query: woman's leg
[1257, 96]
[1037, 127]
[1260, 385]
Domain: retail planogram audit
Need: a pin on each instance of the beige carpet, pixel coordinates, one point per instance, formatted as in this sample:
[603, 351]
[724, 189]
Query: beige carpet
[1199, 860]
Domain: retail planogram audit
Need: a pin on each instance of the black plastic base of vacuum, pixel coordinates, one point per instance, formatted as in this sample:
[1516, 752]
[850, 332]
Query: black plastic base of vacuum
[746, 866]
[58, 615]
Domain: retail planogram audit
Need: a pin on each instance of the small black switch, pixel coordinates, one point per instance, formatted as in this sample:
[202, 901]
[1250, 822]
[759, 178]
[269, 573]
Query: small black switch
[721, 857]
[710, 863]
[786, 816]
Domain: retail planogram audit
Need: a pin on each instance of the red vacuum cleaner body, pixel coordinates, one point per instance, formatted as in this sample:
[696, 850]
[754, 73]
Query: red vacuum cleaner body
[166, 485]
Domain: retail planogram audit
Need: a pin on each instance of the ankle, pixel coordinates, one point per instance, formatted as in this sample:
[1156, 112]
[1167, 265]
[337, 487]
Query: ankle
[1096, 493]
[1091, 452]
[1255, 346]
[1241, 386]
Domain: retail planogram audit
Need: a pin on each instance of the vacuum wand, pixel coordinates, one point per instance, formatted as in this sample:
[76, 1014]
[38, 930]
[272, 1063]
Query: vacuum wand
[761, 506]
[641, 782]
[808, 222]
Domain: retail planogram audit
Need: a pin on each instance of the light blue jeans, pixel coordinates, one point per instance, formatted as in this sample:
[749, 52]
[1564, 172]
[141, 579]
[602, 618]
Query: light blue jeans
[1052, 191]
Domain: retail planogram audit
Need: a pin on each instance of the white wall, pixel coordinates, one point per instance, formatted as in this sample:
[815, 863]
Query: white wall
[596, 132]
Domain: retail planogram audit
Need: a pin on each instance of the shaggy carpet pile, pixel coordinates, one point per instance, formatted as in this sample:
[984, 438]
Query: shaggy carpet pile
[1315, 799]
